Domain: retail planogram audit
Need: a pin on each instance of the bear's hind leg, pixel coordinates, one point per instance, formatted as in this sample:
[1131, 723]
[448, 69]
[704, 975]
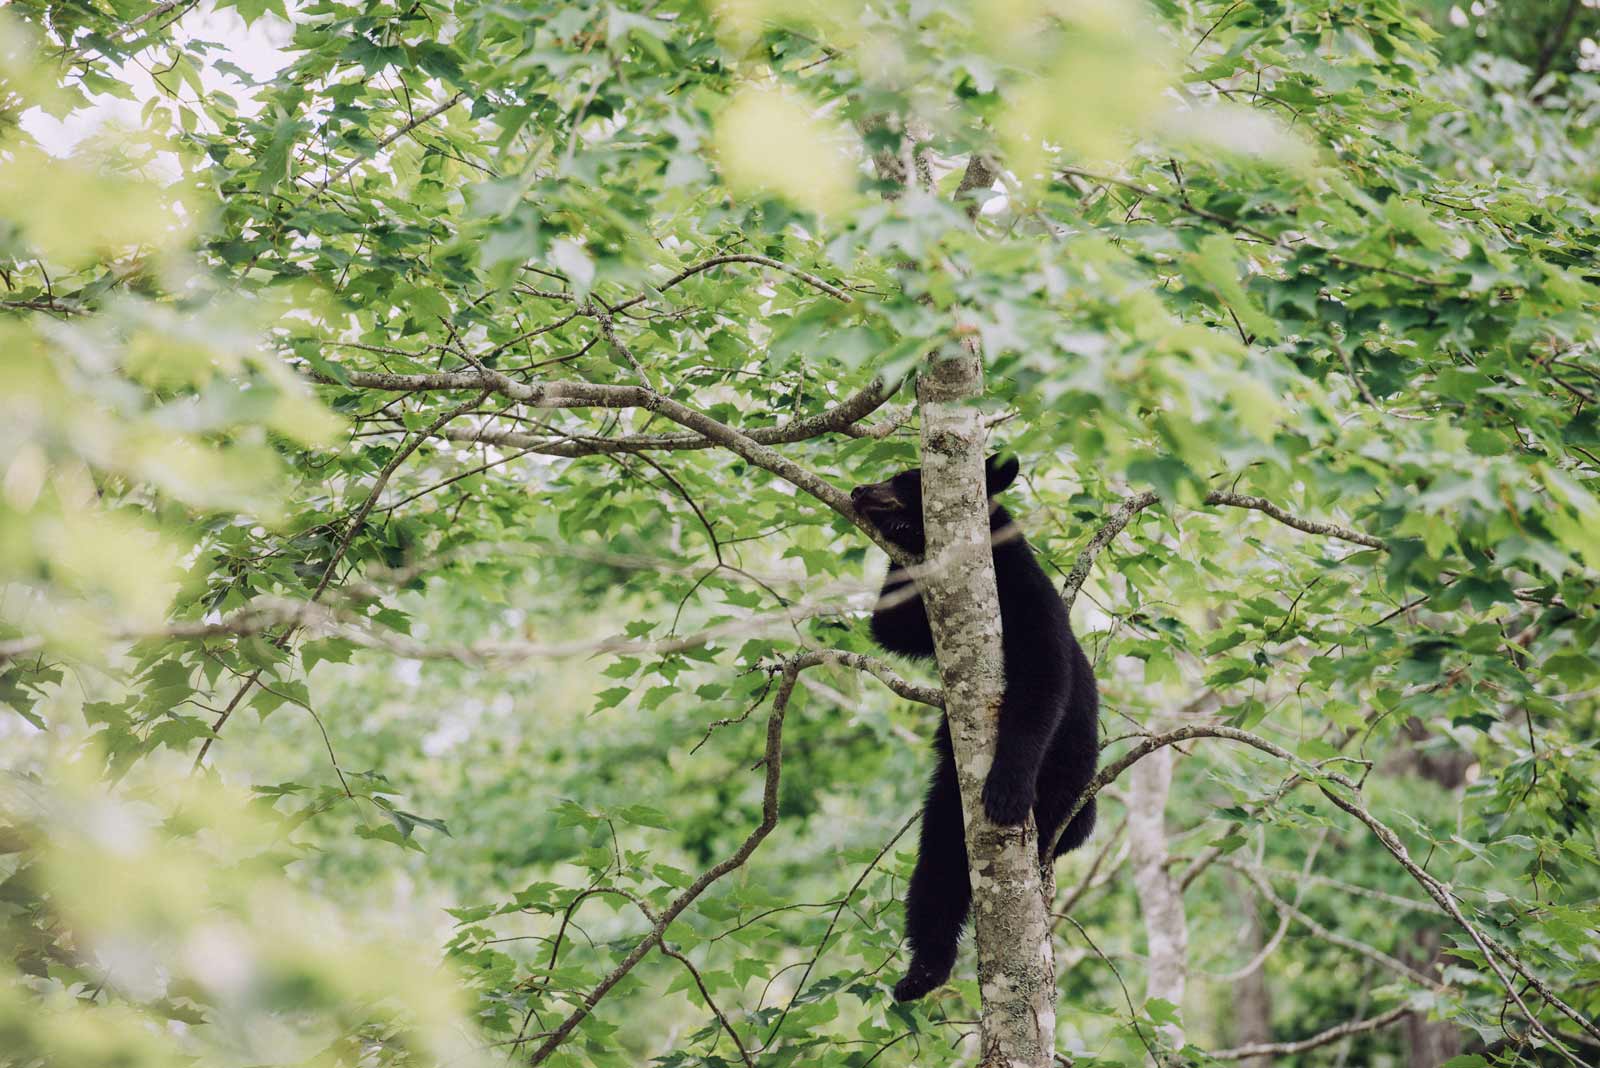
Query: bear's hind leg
[1056, 799]
[1078, 830]
[940, 891]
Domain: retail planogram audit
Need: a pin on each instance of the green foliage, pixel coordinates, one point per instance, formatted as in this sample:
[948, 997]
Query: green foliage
[279, 508]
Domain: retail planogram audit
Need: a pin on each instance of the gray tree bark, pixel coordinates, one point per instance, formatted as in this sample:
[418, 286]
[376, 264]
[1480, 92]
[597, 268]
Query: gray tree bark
[1160, 897]
[1016, 966]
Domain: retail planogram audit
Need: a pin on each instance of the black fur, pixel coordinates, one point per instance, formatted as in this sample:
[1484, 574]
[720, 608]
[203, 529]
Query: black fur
[1049, 719]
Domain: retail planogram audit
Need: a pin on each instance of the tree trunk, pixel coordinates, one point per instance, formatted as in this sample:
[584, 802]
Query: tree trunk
[1160, 898]
[1252, 999]
[1016, 968]
[1430, 1042]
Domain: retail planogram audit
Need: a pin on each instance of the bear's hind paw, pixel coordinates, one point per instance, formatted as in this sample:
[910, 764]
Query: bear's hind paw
[919, 980]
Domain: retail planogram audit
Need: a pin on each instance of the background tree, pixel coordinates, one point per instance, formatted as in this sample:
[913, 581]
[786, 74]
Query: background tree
[422, 488]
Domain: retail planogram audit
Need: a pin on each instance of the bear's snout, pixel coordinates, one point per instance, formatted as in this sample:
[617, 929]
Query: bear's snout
[876, 497]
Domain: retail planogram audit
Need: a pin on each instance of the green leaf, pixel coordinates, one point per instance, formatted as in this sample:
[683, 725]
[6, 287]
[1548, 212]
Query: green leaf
[273, 166]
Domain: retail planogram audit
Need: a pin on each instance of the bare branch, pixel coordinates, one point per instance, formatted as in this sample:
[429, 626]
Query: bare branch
[879, 669]
[1309, 526]
[149, 16]
[222, 717]
[617, 346]
[1114, 525]
[1321, 1038]
[841, 418]
[705, 996]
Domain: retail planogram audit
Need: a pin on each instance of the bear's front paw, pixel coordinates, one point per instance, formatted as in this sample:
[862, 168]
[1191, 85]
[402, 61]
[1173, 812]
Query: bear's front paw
[1004, 803]
[918, 980]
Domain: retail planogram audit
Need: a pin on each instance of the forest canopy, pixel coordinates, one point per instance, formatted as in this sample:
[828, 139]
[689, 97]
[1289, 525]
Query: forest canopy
[432, 612]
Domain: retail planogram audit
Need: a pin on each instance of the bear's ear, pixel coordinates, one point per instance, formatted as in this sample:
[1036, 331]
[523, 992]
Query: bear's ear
[1000, 473]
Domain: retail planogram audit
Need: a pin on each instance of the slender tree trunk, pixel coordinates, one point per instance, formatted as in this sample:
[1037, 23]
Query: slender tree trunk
[1252, 999]
[1429, 1042]
[1016, 967]
[1160, 898]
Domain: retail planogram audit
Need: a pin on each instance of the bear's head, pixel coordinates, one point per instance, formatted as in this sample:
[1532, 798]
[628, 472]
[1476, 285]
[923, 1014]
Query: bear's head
[894, 506]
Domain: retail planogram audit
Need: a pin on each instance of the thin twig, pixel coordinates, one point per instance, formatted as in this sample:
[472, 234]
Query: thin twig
[382, 480]
[1228, 223]
[1119, 517]
[740, 257]
[833, 922]
[431, 113]
[1372, 953]
[705, 996]
[772, 761]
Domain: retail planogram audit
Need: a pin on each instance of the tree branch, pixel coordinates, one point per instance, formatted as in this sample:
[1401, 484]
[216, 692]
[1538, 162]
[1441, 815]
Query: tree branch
[617, 345]
[1309, 526]
[382, 480]
[1123, 514]
[1490, 949]
[592, 395]
[149, 16]
[1114, 525]
[879, 669]
[1108, 774]
[838, 419]
[1321, 1038]
[772, 761]
[705, 995]
[717, 261]
[1372, 953]
[833, 923]
[390, 139]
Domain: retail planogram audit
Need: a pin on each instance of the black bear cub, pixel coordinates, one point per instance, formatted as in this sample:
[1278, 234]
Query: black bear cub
[1049, 717]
